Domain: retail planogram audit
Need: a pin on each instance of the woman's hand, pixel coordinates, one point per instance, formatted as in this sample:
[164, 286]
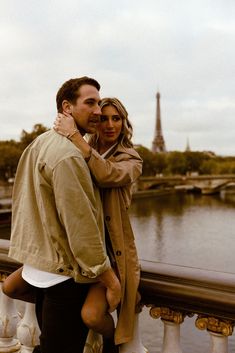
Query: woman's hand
[64, 124]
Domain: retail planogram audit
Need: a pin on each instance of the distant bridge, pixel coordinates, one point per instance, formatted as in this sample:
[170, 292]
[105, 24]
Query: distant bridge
[206, 184]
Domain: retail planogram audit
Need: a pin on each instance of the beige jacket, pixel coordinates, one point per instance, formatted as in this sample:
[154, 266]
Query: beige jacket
[115, 177]
[57, 218]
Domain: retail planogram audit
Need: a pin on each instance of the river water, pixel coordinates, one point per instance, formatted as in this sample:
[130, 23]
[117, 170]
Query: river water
[190, 230]
[183, 229]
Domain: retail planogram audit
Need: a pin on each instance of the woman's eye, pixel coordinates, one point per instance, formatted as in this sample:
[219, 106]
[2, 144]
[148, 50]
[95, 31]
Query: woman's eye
[103, 118]
[116, 118]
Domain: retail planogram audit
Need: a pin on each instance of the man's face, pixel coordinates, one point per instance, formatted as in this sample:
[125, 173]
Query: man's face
[86, 111]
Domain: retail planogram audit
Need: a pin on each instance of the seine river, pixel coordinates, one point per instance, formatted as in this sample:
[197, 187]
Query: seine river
[183, 229]
[190, 230]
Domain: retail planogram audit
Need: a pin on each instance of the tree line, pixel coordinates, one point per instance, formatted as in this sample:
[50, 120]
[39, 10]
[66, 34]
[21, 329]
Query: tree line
[170, 163]
[10, 151]
[185, 163]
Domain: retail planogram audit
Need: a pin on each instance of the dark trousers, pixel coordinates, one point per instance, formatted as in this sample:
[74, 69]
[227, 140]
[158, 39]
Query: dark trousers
[58, 310]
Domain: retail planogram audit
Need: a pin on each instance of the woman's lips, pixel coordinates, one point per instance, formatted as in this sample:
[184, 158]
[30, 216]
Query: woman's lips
[110, 134]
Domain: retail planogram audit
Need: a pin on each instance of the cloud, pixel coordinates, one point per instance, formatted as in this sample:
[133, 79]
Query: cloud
[186, 50]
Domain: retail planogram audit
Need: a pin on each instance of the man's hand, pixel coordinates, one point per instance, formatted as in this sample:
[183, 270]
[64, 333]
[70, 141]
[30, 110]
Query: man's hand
[113, 286]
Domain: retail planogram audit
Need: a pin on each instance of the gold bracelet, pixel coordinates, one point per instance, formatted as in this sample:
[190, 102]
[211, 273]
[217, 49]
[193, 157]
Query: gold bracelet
[69, 136]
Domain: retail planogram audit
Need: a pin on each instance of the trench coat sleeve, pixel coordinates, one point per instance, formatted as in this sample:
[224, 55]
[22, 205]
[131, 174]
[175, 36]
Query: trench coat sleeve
[117, 171]
[77, 209]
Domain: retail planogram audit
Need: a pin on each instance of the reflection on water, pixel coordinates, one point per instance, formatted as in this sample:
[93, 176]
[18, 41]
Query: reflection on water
[190, 230]
[186, 229]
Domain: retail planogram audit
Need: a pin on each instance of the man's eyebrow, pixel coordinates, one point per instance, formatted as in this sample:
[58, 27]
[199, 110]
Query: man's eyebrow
[91, 99]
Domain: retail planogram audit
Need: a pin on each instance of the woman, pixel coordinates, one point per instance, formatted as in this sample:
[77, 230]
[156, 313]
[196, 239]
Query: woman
[114, 165]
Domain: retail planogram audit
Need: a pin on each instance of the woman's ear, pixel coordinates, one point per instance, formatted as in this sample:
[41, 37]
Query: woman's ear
[67, 107]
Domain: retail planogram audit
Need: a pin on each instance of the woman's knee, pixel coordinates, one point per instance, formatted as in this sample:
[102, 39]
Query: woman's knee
[4, 288]
[18, 289]
[92, 317]
[8, 289]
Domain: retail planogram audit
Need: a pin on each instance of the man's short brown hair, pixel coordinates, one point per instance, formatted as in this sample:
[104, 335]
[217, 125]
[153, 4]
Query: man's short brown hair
[70, 90]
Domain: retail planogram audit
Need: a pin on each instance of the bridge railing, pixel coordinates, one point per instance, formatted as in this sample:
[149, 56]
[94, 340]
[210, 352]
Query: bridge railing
[206, 184]
[175, 292]
[171, 293]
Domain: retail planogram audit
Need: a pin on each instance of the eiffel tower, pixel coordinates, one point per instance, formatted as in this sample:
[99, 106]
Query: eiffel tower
[158, 144]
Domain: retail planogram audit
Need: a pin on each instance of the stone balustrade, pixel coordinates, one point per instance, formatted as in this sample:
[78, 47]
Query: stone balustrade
[171, 293]
[174, 292]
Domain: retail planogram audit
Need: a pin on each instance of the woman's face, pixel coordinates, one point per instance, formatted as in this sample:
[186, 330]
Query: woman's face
[110, 126]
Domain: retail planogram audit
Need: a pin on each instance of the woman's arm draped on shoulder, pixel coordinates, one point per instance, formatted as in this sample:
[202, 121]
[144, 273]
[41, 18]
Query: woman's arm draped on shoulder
[118, 171]
[65, 125]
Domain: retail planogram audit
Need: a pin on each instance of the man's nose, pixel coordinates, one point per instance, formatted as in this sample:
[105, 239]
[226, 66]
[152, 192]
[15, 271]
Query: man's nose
[97, 110]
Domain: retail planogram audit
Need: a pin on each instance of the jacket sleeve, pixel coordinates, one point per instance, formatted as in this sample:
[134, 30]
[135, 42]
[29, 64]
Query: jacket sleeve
[117, 171]
[78, 212]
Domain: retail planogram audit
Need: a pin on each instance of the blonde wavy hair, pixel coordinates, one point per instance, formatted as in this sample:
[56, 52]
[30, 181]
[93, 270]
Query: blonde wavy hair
[127, 131]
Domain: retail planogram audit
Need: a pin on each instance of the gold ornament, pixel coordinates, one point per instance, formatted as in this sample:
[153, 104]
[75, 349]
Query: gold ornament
[216, 325]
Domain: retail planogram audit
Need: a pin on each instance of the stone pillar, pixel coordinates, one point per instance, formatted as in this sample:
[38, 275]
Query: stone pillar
[9, 319]
[171, 320]
[218, 329]
[135, 346]
[28, 330]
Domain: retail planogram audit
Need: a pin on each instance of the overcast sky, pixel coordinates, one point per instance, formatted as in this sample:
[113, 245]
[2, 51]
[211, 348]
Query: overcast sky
[184, 49]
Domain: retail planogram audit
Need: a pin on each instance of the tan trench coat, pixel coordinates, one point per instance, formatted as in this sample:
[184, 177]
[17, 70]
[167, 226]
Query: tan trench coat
[115, 177]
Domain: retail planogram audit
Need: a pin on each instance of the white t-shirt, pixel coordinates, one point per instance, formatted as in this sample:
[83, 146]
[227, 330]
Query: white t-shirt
[41, 279]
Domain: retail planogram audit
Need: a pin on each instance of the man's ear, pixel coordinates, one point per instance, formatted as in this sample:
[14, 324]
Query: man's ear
[67, 107]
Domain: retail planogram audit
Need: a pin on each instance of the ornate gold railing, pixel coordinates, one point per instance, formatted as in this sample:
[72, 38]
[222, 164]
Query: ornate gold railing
[174, 292]
[170, 292]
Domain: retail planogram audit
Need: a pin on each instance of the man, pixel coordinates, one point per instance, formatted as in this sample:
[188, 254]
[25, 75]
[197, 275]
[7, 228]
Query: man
[57, 224]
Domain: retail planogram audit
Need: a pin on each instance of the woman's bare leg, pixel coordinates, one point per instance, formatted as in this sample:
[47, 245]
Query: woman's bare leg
[16, 287]
[95, 315]
[95, 311]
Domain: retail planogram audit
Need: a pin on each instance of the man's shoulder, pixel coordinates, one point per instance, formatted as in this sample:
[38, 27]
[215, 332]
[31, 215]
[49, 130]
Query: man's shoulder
[53, 148]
